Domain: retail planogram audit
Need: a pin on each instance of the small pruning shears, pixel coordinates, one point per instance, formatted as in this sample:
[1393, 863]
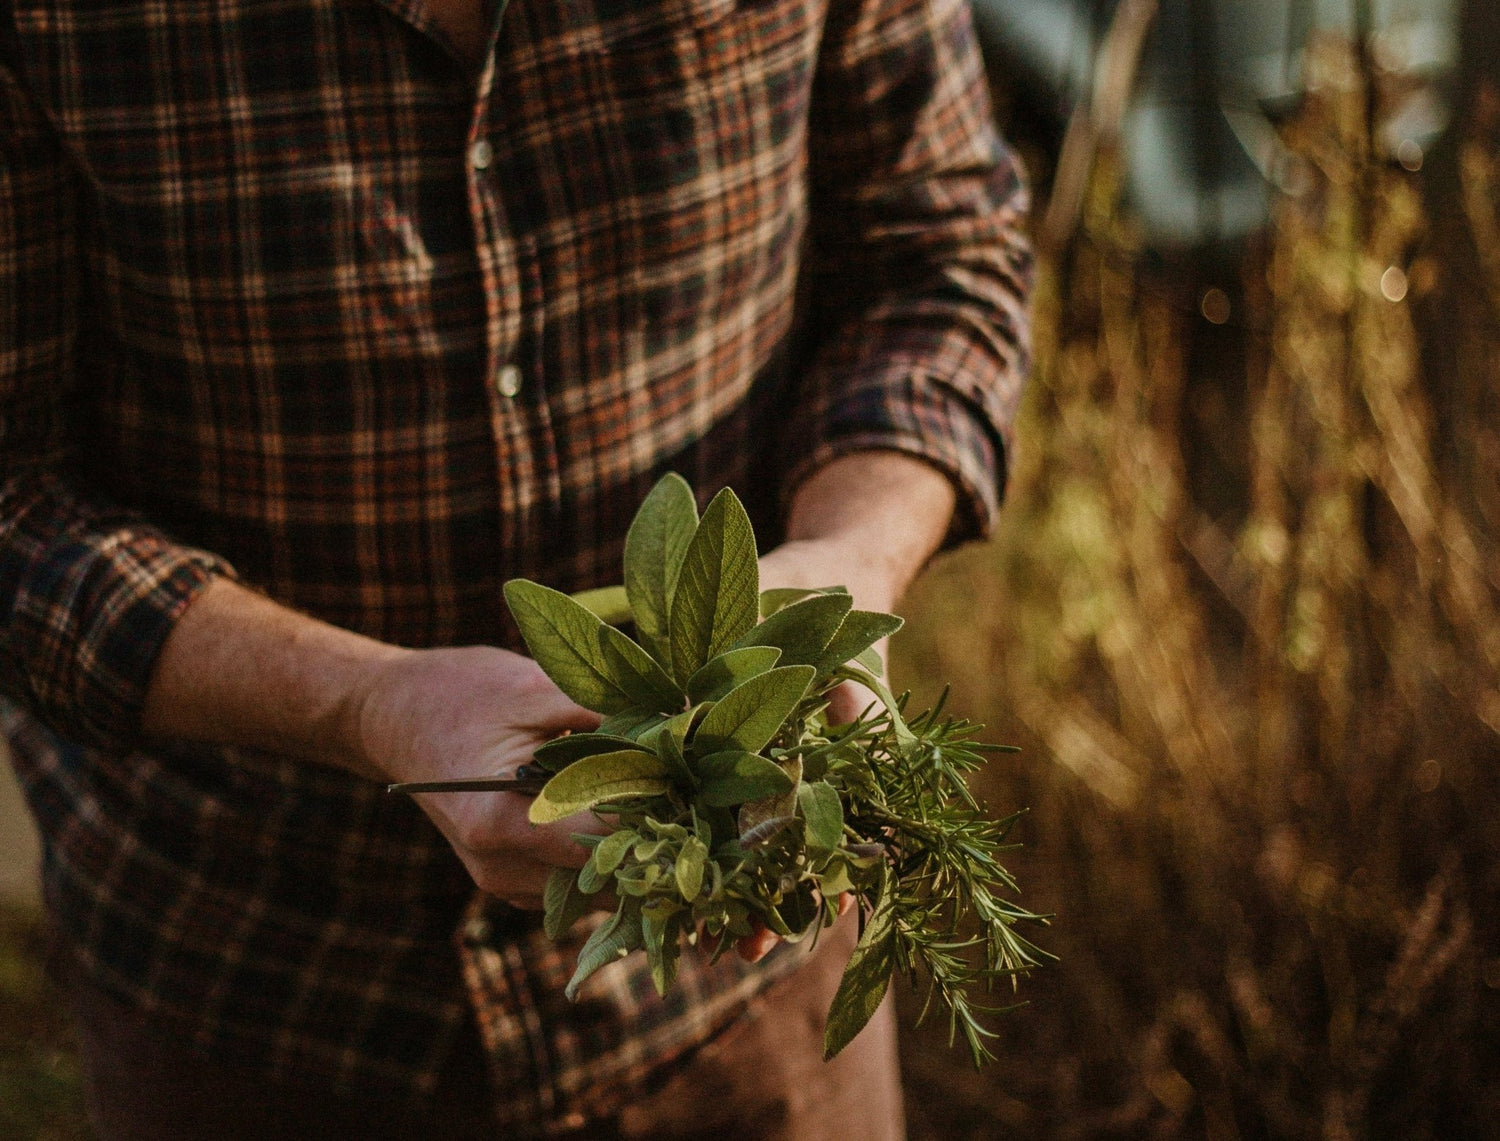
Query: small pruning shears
[526, 780]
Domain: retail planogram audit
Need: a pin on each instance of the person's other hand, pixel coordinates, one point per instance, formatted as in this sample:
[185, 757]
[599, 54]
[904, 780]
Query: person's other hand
[817, 563]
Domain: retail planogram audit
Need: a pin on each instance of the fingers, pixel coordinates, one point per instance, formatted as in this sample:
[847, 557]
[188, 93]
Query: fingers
[848, 701]
[514, 880]
[757, 945]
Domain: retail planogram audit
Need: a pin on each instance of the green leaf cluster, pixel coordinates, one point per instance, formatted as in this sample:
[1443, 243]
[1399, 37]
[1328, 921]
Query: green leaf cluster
[734, 803]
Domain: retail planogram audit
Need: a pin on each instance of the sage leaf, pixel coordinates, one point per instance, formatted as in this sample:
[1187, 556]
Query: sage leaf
[563, 751]
[781, 804]
[835, 879]
[905, 738]
[608, 603]
[733, 777]
[860, 630]
[752, 713]
[660, 929]
[803, 630]
[645, 680]
[632, 724]
[822, 814]
[691, 861]
[717, 595]
[594, 664]
[654, 547]
[613, 939]
[590, 881]
[765, 831]
[595, 780]
[867, 976]
[778, 597]
[563, 902]
[728, 670]
[668, 744]
[612, 849]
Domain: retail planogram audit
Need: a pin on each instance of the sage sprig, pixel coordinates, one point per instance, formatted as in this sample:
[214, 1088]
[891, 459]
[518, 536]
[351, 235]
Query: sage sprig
[734, 802]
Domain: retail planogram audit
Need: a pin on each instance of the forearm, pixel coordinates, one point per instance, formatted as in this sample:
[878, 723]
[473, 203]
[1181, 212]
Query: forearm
[867, 520]
[240, 669]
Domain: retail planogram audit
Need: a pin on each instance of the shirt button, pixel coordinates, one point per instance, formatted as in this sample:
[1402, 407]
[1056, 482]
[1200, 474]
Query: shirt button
[481, 154]
[508, 380]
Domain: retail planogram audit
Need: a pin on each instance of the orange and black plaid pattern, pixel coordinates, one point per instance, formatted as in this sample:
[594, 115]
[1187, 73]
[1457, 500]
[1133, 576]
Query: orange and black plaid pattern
[289, 292]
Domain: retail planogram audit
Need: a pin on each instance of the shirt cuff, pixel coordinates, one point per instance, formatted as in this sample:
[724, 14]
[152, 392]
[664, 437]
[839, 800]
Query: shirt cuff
[92, 596]
[959, 429]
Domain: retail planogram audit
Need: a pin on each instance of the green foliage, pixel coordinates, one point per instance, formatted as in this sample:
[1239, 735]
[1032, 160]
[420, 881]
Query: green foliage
[735, 803]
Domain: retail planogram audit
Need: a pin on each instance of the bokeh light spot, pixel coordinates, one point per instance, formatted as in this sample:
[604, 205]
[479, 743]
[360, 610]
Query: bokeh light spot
[1215, 306]
[1393, 284]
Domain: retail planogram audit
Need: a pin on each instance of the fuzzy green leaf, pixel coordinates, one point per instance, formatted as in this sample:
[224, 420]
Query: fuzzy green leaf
[590, 881]
[611, 850]
[608, 602]
[803, 630]
[654, 547]
[560, 752]
[781, 804]
[867, 976]
[667, 743]
[594, 664]
[717, 597]
[860, 630]
[660, 931]
[594, 780]
[691, 861]
[822, 813]
[835, 878]
[751, 714]
[565, 904]
[613, 939]
[632, 724]
[728, 670]
[733, 777]
[780, 597]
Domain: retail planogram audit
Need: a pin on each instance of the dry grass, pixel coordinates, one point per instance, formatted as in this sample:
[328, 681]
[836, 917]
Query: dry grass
[1247, 626]
[40, 1097]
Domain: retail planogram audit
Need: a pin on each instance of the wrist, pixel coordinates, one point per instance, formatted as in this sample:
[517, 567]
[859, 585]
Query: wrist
[844, 560]
[870, 520]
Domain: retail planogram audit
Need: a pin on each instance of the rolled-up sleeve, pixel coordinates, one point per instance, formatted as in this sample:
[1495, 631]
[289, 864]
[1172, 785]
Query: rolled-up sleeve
[919, 264]
[88, 593]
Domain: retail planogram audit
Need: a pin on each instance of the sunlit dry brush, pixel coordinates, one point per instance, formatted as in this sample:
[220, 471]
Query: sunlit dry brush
[1265, 753]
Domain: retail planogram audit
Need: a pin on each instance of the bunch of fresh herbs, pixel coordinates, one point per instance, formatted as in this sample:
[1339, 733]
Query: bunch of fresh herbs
[734, 802]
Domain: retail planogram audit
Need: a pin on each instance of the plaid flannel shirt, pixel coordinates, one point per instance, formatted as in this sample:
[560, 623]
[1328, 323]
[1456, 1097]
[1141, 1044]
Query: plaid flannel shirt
[288, 292]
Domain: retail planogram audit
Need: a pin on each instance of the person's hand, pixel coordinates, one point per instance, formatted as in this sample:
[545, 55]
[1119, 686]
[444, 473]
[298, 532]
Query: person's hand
[815, 563]
[476, 711]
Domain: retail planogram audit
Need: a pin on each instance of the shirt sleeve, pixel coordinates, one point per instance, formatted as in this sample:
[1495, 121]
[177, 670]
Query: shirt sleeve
[919, 267]
[88, 592]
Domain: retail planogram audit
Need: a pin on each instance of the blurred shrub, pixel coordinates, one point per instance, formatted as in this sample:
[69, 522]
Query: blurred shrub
[1245, 612]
